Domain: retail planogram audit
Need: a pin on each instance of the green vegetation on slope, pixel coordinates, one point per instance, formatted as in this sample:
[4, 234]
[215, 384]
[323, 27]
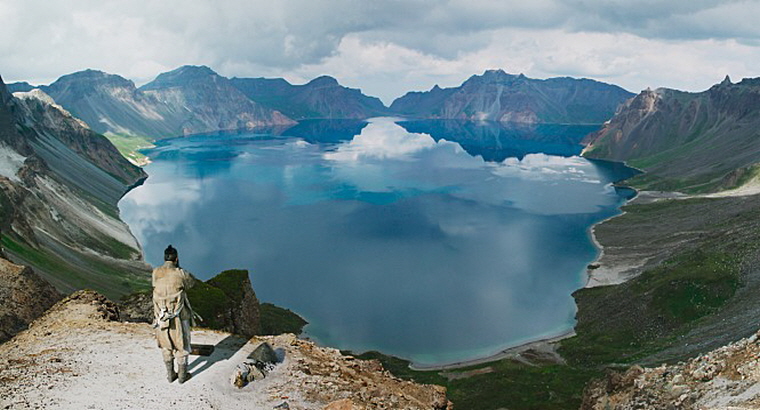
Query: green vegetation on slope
[628, 322]
[707, 280]
[79, 273]
[502, 384]
[214, 299]
[211, 303]
[230, 282]
[276, 320]
[129, 146]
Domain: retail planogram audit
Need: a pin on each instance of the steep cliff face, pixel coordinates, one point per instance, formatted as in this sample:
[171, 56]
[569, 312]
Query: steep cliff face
[24, 296]
[686, 141]
[59, 184]
[498, 96]
[244, 313]
[73, 152]
[321, 98]
[109, 103]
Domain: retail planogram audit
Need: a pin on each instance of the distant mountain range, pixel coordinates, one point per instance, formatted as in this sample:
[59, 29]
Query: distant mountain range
[195, 99]
[498, 96]
[320, 98]
[694, 142]
[187, 100]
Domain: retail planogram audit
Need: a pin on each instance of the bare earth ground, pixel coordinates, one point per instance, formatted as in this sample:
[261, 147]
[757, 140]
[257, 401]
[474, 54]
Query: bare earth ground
[616, 266]
[74, 358]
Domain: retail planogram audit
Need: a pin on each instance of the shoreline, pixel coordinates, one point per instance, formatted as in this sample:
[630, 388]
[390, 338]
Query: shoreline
[611, 275]
[604, 273]
[541, 344]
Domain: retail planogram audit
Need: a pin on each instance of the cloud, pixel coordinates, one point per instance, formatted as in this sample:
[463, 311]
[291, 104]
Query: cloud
[386, 47]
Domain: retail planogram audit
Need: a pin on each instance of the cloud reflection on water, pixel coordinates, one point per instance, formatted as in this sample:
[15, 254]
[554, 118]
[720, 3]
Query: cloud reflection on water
[385, 157]
[390, 241]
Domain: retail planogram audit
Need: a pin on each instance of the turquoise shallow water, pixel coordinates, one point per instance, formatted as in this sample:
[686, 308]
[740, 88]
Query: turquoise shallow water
[388, 236]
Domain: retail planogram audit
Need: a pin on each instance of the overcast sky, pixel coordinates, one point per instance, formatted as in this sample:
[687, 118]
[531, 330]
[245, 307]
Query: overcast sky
[387, 47]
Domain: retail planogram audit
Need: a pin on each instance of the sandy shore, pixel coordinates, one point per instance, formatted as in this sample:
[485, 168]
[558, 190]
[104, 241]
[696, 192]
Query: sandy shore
[544, 347]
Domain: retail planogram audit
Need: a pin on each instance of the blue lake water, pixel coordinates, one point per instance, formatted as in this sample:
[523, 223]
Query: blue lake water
[434, 241]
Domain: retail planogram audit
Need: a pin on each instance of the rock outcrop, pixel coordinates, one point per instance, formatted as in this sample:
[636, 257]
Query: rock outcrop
[55, 364]
[225, 302]
[498, 96]
[24, 296]
[699, 142]
[726, 378]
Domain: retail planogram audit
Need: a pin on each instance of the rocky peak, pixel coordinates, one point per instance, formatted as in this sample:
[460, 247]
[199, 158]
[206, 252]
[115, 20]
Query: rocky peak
[243, 313]
[42, 97]
[726, 81]
[182, 76]
[324, 81]
[5, 95]
[644, 102]
[89, 80]
[494, 76]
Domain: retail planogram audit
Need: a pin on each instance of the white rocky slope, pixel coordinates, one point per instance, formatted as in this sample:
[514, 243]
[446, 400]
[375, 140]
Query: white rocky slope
[727, 378]
[77, 357]
[59, 185]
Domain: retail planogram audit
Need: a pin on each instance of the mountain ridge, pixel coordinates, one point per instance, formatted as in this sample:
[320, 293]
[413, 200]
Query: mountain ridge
[322, 97]
[188, 100]
[695, 142]
[498, 96]
[196, 99]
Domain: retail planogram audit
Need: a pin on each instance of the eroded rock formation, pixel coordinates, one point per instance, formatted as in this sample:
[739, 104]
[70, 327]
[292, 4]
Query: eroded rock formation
[24, 296]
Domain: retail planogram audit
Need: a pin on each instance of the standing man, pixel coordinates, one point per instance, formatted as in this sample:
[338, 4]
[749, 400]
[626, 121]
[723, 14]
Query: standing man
[172, 313]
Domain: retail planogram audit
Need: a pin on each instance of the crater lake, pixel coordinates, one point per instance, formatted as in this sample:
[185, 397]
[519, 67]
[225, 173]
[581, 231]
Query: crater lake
[434, 241]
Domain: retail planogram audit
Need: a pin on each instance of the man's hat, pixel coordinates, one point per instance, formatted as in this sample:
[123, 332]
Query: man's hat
[170, 253]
